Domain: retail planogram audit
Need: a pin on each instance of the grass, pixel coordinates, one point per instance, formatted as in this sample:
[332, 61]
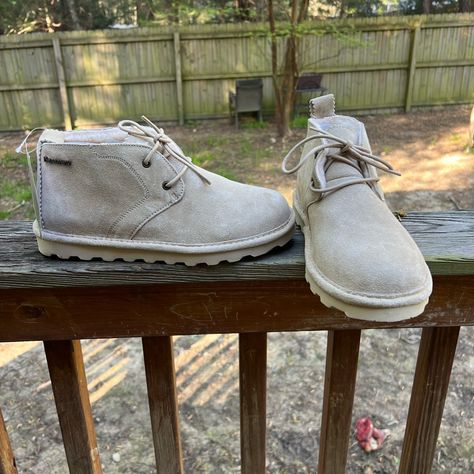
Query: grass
[14, 190]
[226, 173]
[255, 124]
[299, 122]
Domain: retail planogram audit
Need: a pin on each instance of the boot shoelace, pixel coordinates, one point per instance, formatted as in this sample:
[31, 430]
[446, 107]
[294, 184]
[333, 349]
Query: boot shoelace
[356, 156]
[162, 144]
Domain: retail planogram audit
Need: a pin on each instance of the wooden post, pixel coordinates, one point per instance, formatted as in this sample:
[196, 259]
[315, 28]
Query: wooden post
[179, 78]
[161, 383]
[430, 386]
[339, 386]
[412, 68]
[68, 380]
[62, 84]
[7, 460]
[253, 388]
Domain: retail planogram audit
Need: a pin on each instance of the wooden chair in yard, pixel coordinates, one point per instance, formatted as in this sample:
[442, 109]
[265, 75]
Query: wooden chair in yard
[247, 97]
[308, 84]
[62, 302]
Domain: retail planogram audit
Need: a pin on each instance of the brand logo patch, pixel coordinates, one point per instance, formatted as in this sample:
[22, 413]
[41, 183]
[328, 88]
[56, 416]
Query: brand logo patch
[57, 161]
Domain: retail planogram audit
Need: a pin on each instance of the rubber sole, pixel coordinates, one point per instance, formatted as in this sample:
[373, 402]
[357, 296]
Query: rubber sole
[66, 251]
[365, 313]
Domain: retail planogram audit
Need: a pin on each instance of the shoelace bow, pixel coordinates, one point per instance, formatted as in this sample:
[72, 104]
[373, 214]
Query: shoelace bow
[162, 145]
[356, 156]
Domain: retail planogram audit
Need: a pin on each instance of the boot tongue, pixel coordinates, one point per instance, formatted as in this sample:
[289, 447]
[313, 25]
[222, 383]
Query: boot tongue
[346, 128]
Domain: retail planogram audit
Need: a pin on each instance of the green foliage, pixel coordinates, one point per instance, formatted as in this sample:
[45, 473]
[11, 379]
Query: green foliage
[299, 122]
[24, 16]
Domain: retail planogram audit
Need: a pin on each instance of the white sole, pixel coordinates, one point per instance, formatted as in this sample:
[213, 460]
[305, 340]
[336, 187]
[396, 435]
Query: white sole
[66, 251]
[365, 313]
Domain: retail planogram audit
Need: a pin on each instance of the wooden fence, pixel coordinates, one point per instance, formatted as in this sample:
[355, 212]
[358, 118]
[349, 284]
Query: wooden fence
[373, 64]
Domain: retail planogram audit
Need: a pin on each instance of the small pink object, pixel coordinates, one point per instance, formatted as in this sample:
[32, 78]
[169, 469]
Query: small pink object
[369, 437]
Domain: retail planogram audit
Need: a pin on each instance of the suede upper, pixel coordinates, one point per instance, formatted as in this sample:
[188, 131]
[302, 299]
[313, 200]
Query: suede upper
[360, 253]
[97, 185]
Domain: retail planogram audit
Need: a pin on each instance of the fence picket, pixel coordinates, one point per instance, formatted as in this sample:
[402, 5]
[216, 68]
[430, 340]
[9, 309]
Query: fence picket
[166, 73]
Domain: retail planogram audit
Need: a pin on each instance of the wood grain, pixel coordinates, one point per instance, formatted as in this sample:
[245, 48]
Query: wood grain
[7, 459]
[208, 308]
[445, 238]
[161, 383]
[430, 386]
[253, 393]
[68, 380]
[58, 58]
[339, 386]
[140, 63]
[412, 67]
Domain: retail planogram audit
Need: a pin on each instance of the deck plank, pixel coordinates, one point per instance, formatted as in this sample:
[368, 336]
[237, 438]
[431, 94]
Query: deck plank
[445, 238]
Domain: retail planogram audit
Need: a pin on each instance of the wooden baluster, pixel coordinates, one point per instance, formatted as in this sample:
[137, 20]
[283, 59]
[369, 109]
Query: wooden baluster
[7, 460]
[68, 380]
[433, 369]
[253, 386]
[161, 382]
[339, 385]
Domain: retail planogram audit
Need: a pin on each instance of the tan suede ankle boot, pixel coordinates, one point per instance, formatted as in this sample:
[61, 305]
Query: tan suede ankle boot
[359, 258]
[130, 193]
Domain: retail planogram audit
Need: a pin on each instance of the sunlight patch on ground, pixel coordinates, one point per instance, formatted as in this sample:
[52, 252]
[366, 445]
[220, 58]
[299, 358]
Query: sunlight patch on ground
[443, 173]
[11, 350]
[207, 371]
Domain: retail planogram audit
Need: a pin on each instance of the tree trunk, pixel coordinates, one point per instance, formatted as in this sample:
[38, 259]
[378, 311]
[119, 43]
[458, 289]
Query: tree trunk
[284, 81]
[426, 6]
[342, 11]
[71, 6]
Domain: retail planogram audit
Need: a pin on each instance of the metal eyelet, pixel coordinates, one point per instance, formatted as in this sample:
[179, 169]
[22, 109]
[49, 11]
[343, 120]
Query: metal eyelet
[165, 186]
[145, 164]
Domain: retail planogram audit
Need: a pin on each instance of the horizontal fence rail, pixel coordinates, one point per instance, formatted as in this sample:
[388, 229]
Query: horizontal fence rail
[74, 79]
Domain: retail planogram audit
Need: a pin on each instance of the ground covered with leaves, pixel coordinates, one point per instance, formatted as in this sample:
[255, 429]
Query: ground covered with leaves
[430, 149]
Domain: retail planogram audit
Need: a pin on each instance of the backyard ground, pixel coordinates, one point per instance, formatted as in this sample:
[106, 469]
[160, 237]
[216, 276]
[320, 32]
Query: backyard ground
[430, 149]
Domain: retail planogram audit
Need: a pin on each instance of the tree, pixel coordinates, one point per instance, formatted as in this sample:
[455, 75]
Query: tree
[284, 81]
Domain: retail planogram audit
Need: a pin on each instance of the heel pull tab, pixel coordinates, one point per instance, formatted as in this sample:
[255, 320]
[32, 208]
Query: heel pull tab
[23, 148]
[324, 106]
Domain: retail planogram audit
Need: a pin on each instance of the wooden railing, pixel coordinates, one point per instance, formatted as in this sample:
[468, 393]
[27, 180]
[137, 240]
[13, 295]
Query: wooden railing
[61, 302]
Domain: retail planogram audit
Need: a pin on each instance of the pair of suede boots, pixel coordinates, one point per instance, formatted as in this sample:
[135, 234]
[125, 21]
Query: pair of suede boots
[130, 192]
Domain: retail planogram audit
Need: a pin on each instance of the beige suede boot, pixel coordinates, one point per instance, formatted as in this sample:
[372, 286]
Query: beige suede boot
[359, 258]
[130, 193]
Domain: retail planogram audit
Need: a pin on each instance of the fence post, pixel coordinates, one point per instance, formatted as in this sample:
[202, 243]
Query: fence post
[58, 58]
[412, 67]
[179, 78]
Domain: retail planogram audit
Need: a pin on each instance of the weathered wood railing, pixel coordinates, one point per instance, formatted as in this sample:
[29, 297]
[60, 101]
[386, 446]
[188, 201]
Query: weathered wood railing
[61, 302]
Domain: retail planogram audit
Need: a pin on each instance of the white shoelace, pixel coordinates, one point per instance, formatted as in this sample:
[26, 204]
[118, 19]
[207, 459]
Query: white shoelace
[353, 155]
[162, 145]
